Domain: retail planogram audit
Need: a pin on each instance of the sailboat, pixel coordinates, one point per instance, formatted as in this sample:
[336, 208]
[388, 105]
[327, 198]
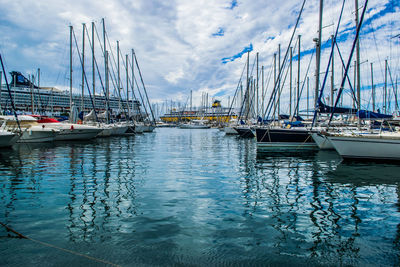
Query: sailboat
[380, 146]
[68, 131]
[32, 131]
[195, 124]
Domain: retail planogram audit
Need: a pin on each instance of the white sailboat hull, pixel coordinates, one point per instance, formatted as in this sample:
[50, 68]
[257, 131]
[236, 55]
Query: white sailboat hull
[139, 128]
[71, 131]
[148, 128]
[77, 134]
[37, 136]
[230, 130]
[371, 147]
[322, 141]
[193, 126]
[119, 129]
[8, 139]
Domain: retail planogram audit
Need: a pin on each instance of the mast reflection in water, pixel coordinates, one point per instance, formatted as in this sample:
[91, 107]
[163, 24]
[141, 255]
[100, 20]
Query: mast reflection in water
[195, 197]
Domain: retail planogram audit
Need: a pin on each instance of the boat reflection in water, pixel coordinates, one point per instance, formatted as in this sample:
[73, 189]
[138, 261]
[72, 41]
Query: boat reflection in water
[196, 198]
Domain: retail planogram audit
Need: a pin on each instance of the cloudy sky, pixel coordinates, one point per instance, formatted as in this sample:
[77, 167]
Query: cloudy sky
[197, 45]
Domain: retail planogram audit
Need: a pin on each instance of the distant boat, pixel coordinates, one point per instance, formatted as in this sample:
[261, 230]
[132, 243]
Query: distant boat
[194, 124]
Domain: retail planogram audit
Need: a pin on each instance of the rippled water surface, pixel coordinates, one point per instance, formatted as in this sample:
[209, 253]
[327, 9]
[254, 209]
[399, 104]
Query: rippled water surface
[194, 197]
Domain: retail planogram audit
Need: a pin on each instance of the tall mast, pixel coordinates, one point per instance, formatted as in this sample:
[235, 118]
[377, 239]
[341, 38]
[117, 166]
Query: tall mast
[274, 85]
[318, 52]
[70, 68]
[247, 94]
[83, 66]
[308, 93]
[355, 81]
[1, 89]
[332, 73]
[358, 69]
[119, 78]
[298, 77]
[262, 88]
[104, 45]
[107, 87]
[32, 101]
[127, 82]
[279, 80]
[385, 92]
[257, 88]
[93, 69]
[290, 81]
[133, 81]
[372, 88]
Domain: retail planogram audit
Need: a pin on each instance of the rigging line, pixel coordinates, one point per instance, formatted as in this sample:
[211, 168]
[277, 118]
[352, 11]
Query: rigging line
[252, 68]
[376, 47]
[394, 90]
[287, 50]
[349, 60]
[130, 81]
[302, 87]
[113, 78]
[56, 247]
[119, 92]
[144, 87]
[141, 97]
[237, 90]
[281, 89]
[248, 89]
[352, 91]
[85, 78]
[266, 84]
[127, 93]
[97, 67]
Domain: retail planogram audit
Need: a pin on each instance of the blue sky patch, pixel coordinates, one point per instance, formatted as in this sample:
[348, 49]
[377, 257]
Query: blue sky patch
[238, 55]
[220, 32]
[234, 4]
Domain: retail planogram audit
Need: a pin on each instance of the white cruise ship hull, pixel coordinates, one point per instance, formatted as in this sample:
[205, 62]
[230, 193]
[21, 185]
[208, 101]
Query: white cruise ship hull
[367, 147]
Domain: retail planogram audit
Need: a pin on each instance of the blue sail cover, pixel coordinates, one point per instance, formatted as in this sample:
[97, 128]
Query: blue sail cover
[323, 108]
[366, 114]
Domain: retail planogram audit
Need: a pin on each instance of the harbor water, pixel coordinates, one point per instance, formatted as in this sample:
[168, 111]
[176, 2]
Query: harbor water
[194, 197]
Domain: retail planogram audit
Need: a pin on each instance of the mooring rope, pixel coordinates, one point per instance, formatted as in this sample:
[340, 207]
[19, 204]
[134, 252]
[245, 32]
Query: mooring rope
[59, 248]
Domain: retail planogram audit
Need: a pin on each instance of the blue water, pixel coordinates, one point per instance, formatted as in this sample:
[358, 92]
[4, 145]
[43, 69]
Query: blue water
[194, 197]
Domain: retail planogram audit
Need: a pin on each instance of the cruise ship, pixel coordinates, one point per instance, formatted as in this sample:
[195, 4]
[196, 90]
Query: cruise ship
[31, 98]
